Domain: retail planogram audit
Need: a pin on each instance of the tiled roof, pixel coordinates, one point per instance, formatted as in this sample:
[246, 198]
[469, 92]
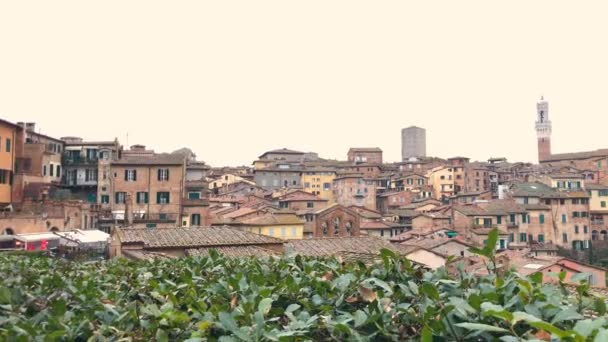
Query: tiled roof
[578, 155]
[486, 231]
[375, 225]
[365, 149]
[157, 159]
[192, 237]
[537, 206]
[470, 210]
[365, 212]
[299, 195]
[536, 190]
[503, 207]
[281, 151]
[405, 212]
[589, 186]
[273, 219]
[566, 176]
[233, 251]
[322, 247]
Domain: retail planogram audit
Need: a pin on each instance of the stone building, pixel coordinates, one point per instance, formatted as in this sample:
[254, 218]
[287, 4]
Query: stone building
[413, 143]
[543, 130]
[354, 189]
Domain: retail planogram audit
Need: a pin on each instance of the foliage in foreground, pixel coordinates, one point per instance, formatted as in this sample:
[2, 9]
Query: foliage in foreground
[290, 299]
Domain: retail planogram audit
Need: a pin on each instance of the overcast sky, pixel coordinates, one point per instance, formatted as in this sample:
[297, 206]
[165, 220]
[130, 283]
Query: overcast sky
[232, 79]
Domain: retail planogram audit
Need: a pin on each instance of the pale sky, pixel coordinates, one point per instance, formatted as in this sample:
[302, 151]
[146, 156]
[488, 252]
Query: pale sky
[232, 79]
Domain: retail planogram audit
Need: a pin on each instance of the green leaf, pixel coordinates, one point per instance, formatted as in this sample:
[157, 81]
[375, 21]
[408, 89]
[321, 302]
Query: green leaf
[481, 327]
[599, 305]
[162, 336]
[566, 315]
[293, 308]
[519, 316]
[497, 311]
[265, 305]
[586, 327]
[550, 328]
[602, 336]
[490, 246]
[360, 318]
[536, 277]
[429, 290]
[427, 334]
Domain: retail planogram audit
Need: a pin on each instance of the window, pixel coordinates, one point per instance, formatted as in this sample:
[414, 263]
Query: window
[585, 230]
[271, 231]
[562, 201]
[575, 201]
[584, 214]
[541, 219]
[163, 175]
[44, 170]
[602, 193]
[162, 197]
[8, 145]
[283, 232]
[511, 237]
[51, 170]
[194, 195]
[120, 197]
[522, 237]
[541, 238]
[162, 216]
[563, 218]
[565, 237]
[307, 185]
[525, 200]
[294, 182]
[3, 177]
[151, 225]
[576, 229]
[142, 197]
[90, 175]
[575, 214]
[58, 174]
[105, 199]
[499, 219]
[310, 205]
[512, 218]
[326, 186]
[523, 218]
[130, 175]
[195, 219]
[294, 231]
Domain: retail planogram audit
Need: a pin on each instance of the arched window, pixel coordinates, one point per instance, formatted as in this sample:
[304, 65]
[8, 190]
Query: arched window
[337, 226]
[8, 231]
[604, 235]
[594, 235]
[349, 228]
[324, 228]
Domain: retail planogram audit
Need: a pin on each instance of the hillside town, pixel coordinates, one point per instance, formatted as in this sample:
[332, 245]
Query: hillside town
[68, 193]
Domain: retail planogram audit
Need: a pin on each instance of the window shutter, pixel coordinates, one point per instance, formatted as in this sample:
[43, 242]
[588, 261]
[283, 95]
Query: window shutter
[167, 174]
[145, 197]
[168, 197]
[126, 175]
[116, 198]
[134, 175]
[158, 198]
[158, 174]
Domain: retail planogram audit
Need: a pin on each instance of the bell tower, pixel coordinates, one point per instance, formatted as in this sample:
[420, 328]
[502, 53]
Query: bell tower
[543, 129]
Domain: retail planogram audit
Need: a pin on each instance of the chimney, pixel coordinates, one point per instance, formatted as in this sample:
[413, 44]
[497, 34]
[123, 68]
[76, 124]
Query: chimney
[128, 211]
[30, 127]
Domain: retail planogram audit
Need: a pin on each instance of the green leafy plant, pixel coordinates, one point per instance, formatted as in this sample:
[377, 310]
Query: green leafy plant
[216, 298]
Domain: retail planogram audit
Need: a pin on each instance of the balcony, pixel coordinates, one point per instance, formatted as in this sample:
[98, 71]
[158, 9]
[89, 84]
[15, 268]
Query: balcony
[513, 225]
[597, 222]
[74, 161]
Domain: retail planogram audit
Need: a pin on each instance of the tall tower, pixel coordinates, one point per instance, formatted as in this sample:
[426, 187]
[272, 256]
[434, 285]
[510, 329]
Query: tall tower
[413, 143]
[543, 129]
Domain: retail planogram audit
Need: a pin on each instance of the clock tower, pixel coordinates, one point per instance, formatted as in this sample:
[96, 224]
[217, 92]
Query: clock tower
[543, 129]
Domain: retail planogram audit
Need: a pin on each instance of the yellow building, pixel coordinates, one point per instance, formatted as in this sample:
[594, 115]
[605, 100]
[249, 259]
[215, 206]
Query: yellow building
[442, 180]
[8, 137]
[319, 182]
[279, 225]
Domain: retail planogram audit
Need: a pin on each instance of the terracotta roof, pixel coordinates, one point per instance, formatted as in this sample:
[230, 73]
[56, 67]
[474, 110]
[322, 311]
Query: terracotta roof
[470, 210]
[281, 151]
[602, 153]
[536, 190]
[299, 195]
[233, 251]
[503, 207]
[192, 237]
[486, 231]
[589, 186]
[364, 149]
[376, 225]
[323, 247]
[157, 159]
[365, 212]
[537, 206]
[273, 219]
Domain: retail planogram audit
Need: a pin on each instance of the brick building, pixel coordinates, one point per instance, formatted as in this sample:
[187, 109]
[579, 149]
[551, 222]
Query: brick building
[354, 189]
[371, 155]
